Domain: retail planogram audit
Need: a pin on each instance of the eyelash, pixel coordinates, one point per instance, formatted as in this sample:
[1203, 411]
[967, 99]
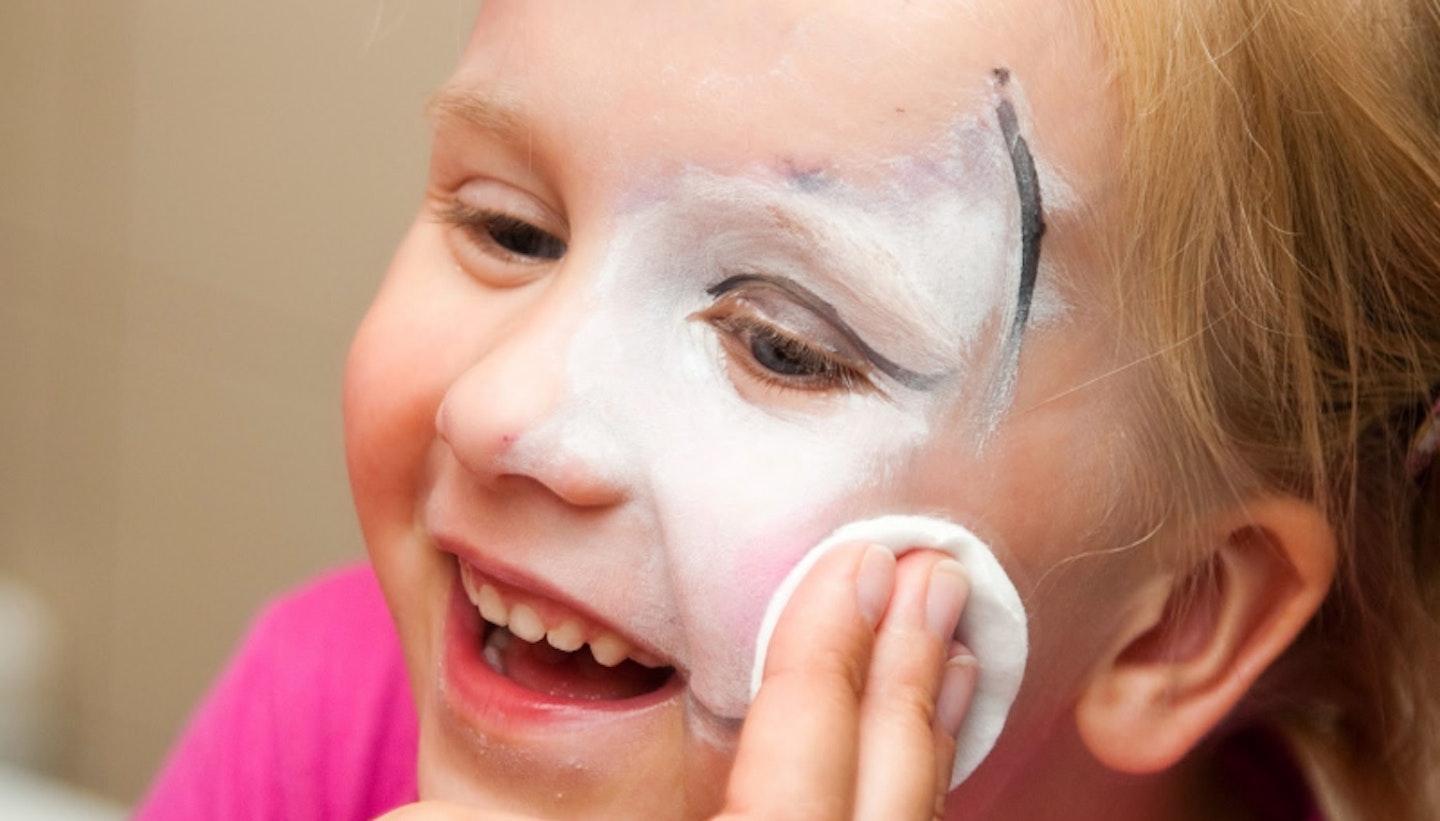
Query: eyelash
[501, 235]
[814, 370]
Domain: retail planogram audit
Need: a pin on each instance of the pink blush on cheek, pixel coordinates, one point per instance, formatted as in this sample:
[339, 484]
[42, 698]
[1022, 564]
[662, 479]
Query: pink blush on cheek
[761, 565]
[729, 599]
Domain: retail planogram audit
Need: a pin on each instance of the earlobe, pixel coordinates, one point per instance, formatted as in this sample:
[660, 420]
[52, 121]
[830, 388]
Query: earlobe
[1200, 638]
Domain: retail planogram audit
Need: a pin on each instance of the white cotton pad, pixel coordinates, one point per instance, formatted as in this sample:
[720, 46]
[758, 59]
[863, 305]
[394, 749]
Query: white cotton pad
[993, 625]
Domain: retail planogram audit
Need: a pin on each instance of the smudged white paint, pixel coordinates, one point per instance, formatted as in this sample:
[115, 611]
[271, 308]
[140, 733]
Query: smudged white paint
[726, 489]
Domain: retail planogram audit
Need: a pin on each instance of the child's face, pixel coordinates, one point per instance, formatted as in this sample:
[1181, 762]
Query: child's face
[695, 283]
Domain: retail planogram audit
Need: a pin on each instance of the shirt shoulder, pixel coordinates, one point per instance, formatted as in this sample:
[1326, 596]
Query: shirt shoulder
[311, 719]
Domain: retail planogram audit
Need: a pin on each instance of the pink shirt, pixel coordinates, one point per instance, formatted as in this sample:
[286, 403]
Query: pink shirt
[312, 720]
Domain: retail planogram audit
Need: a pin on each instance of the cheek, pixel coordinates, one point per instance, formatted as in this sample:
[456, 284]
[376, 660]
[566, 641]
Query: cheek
[389, 411]
[1055, 492]
[724, 575]
[732, 534]
[740, 591]
[414, 342]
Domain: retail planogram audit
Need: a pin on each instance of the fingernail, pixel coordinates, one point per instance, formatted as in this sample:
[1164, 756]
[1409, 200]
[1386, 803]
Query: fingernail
[956, 686]
[945, 598]
[875, 582]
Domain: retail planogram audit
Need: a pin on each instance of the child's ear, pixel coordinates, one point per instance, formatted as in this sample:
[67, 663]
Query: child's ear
[1199, 640]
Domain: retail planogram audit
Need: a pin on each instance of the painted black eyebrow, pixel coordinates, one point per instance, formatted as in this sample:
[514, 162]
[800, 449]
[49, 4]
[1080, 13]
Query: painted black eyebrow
[1032, 215]
[812, 301]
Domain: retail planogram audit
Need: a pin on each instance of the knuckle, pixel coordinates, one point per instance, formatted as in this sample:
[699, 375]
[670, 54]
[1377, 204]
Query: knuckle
[841, 665]
[826, 664]
[909, 701]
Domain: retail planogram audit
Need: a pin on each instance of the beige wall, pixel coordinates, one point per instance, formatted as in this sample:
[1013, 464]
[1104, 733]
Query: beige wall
[196, 200]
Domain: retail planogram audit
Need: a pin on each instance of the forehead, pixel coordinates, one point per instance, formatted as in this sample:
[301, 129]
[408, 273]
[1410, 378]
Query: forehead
[817, 86]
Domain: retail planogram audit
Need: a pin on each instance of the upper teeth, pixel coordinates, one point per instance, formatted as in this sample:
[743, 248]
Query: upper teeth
[569, 634]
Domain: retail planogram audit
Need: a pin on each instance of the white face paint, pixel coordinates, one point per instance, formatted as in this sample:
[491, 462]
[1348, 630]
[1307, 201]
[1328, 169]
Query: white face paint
[736, 479]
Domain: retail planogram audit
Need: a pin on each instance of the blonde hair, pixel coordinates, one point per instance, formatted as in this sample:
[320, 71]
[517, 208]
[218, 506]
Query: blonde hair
[1282, 178]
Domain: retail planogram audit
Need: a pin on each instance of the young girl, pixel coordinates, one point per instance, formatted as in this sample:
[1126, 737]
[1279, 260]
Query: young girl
[1146, 296]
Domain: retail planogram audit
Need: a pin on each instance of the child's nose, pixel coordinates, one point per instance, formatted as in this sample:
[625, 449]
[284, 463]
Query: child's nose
[509, 417]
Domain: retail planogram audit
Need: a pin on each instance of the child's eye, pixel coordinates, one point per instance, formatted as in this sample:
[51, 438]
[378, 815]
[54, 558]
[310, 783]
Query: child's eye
[521, 238]
[503, 236]
[789, 361]
[756, 332]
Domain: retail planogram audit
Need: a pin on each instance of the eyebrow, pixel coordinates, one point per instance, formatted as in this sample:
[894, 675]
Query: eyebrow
[811, 300]
[496, 111]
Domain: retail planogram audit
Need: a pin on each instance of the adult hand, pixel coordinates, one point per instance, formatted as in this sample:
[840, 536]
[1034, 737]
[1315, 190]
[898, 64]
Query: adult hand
[854, 720]
[862, 695]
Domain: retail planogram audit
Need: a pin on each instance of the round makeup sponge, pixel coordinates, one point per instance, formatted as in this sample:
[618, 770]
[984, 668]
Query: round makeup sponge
[993, 625]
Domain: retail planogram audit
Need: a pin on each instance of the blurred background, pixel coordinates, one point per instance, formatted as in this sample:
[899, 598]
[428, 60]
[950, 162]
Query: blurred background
[197, 199]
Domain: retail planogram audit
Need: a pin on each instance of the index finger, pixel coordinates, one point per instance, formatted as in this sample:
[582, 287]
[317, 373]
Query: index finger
[798, 747]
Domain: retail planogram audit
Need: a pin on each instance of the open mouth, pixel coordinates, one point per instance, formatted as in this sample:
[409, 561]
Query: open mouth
[556, 653]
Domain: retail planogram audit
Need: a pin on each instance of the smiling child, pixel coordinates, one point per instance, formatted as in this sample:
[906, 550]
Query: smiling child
[1146, 297]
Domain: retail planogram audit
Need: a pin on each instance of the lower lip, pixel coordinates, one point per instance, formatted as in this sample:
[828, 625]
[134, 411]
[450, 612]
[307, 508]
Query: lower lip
[483, 697]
